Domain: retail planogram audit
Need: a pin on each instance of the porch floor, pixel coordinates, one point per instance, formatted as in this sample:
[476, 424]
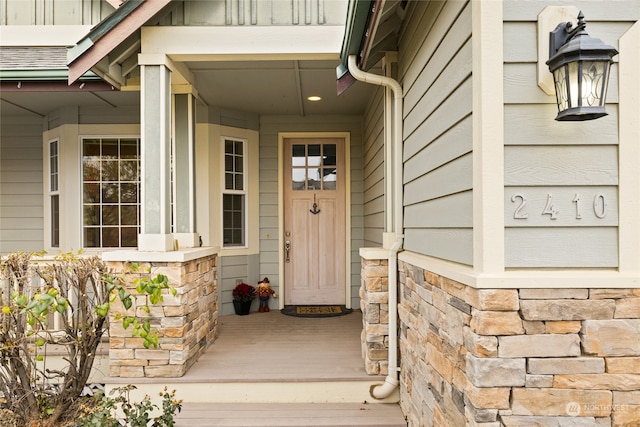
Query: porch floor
[272, 346]
[269, 369]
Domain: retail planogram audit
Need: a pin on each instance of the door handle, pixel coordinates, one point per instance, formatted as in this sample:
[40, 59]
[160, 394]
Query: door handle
[287, 248]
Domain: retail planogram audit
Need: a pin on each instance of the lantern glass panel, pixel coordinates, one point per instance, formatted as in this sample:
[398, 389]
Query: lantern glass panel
[593, 80]
[573, 78]
[560, 79]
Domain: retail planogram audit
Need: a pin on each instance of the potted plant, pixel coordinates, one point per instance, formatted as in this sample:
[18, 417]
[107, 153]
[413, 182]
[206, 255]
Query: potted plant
[243, 296]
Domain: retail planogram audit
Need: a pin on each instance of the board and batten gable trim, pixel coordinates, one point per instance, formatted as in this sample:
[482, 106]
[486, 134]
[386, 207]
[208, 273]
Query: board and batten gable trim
[488, 137]
[629, 151]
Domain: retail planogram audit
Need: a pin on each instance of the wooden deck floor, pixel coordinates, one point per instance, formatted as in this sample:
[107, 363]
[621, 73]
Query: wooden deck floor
[273, 346]
[269, 369]
[290, 415]
[266, 347]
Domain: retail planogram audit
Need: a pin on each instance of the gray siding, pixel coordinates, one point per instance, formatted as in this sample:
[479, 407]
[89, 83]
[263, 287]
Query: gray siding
[270, 126]
[232, 270]
[53, 12]
[618, 10]
[373, 171]
[435, 71]
[567, 168]
[254, 12]
[262, 12]
[192, 12]
[21, 186]
[94, 115]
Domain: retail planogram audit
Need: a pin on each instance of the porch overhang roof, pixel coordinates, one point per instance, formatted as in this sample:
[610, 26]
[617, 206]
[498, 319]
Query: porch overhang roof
[110, 48]
[49, 80]
[371, 30]
[358, 20]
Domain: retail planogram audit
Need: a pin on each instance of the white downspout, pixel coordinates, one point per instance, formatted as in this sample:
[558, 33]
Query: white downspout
[384, 390]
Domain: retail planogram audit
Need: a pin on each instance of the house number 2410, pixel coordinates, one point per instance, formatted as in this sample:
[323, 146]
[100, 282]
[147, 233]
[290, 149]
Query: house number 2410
[599, 206]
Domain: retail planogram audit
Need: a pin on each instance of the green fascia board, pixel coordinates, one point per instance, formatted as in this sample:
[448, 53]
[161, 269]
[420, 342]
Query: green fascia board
[102, 28]
[357, 20]
[74, 52]
[52, 74]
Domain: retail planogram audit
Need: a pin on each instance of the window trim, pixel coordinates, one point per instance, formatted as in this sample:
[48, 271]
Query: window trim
[244, 192]
[54, 193]
[81, 138]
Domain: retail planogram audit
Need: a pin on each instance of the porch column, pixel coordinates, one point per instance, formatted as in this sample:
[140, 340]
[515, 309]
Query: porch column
[184, 169]
[155, 130]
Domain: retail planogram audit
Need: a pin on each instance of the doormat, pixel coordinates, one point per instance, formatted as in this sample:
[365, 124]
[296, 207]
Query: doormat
[315, 310]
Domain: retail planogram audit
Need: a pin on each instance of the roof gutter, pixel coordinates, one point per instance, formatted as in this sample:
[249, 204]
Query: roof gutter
[363, 17]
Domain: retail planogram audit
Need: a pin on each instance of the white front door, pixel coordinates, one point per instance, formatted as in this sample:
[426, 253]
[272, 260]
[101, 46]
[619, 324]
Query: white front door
[314, 221]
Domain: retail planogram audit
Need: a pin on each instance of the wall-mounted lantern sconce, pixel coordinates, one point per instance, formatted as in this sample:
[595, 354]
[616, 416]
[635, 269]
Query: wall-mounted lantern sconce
[580, 66]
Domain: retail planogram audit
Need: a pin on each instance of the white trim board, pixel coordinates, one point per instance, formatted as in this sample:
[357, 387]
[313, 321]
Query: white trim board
[347, 141]
[629, 151]
[250, 43]
[42, 35]
[519, 279]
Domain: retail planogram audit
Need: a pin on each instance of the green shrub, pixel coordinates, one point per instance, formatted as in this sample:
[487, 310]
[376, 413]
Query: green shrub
[133, 414]
[79, 291]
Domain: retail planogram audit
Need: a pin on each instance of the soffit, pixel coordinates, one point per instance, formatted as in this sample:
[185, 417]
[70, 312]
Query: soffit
[276, 87]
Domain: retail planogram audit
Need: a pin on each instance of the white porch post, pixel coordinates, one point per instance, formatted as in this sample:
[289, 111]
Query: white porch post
[184, 170]
[155, 128]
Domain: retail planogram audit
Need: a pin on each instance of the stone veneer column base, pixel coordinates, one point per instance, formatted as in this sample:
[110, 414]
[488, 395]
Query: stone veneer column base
[374, 303]
[187, 323]
[517, 357]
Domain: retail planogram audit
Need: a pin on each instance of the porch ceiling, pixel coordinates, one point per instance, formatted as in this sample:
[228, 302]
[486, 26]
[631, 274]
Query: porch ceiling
[262, 87]
[277, 87]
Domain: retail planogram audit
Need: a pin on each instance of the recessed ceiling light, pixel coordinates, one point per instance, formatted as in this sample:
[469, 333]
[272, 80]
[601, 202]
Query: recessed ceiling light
[314, 98]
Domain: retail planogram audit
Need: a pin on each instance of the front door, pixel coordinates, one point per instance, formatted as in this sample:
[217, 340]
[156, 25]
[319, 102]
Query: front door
[314, 221]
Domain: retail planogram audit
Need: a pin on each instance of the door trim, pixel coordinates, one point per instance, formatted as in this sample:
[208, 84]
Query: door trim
[347, 211]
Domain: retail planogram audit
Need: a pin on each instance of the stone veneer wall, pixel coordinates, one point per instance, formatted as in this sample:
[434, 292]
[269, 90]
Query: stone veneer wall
[517, 357]
[374, 301]
[187, 323]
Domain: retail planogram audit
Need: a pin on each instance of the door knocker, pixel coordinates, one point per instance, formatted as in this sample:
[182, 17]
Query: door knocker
[315, 209]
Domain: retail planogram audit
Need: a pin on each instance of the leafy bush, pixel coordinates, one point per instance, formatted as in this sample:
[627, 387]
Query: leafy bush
[79, 291]
[136, 414]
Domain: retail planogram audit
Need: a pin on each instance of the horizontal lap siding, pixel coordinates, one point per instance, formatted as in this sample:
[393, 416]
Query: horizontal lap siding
[232, 269]
[373, 171]
[436, 78]
[21, 197]
[616, 10]
[561, 179]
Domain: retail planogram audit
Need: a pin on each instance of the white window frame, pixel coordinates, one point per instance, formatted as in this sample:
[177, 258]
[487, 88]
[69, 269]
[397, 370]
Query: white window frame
[81, 139]
[54, 191]
[244, 192]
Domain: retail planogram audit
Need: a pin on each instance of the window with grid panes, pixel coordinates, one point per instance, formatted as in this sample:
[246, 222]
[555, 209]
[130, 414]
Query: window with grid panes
[233, 194]
[54, 195]
[110, 192]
